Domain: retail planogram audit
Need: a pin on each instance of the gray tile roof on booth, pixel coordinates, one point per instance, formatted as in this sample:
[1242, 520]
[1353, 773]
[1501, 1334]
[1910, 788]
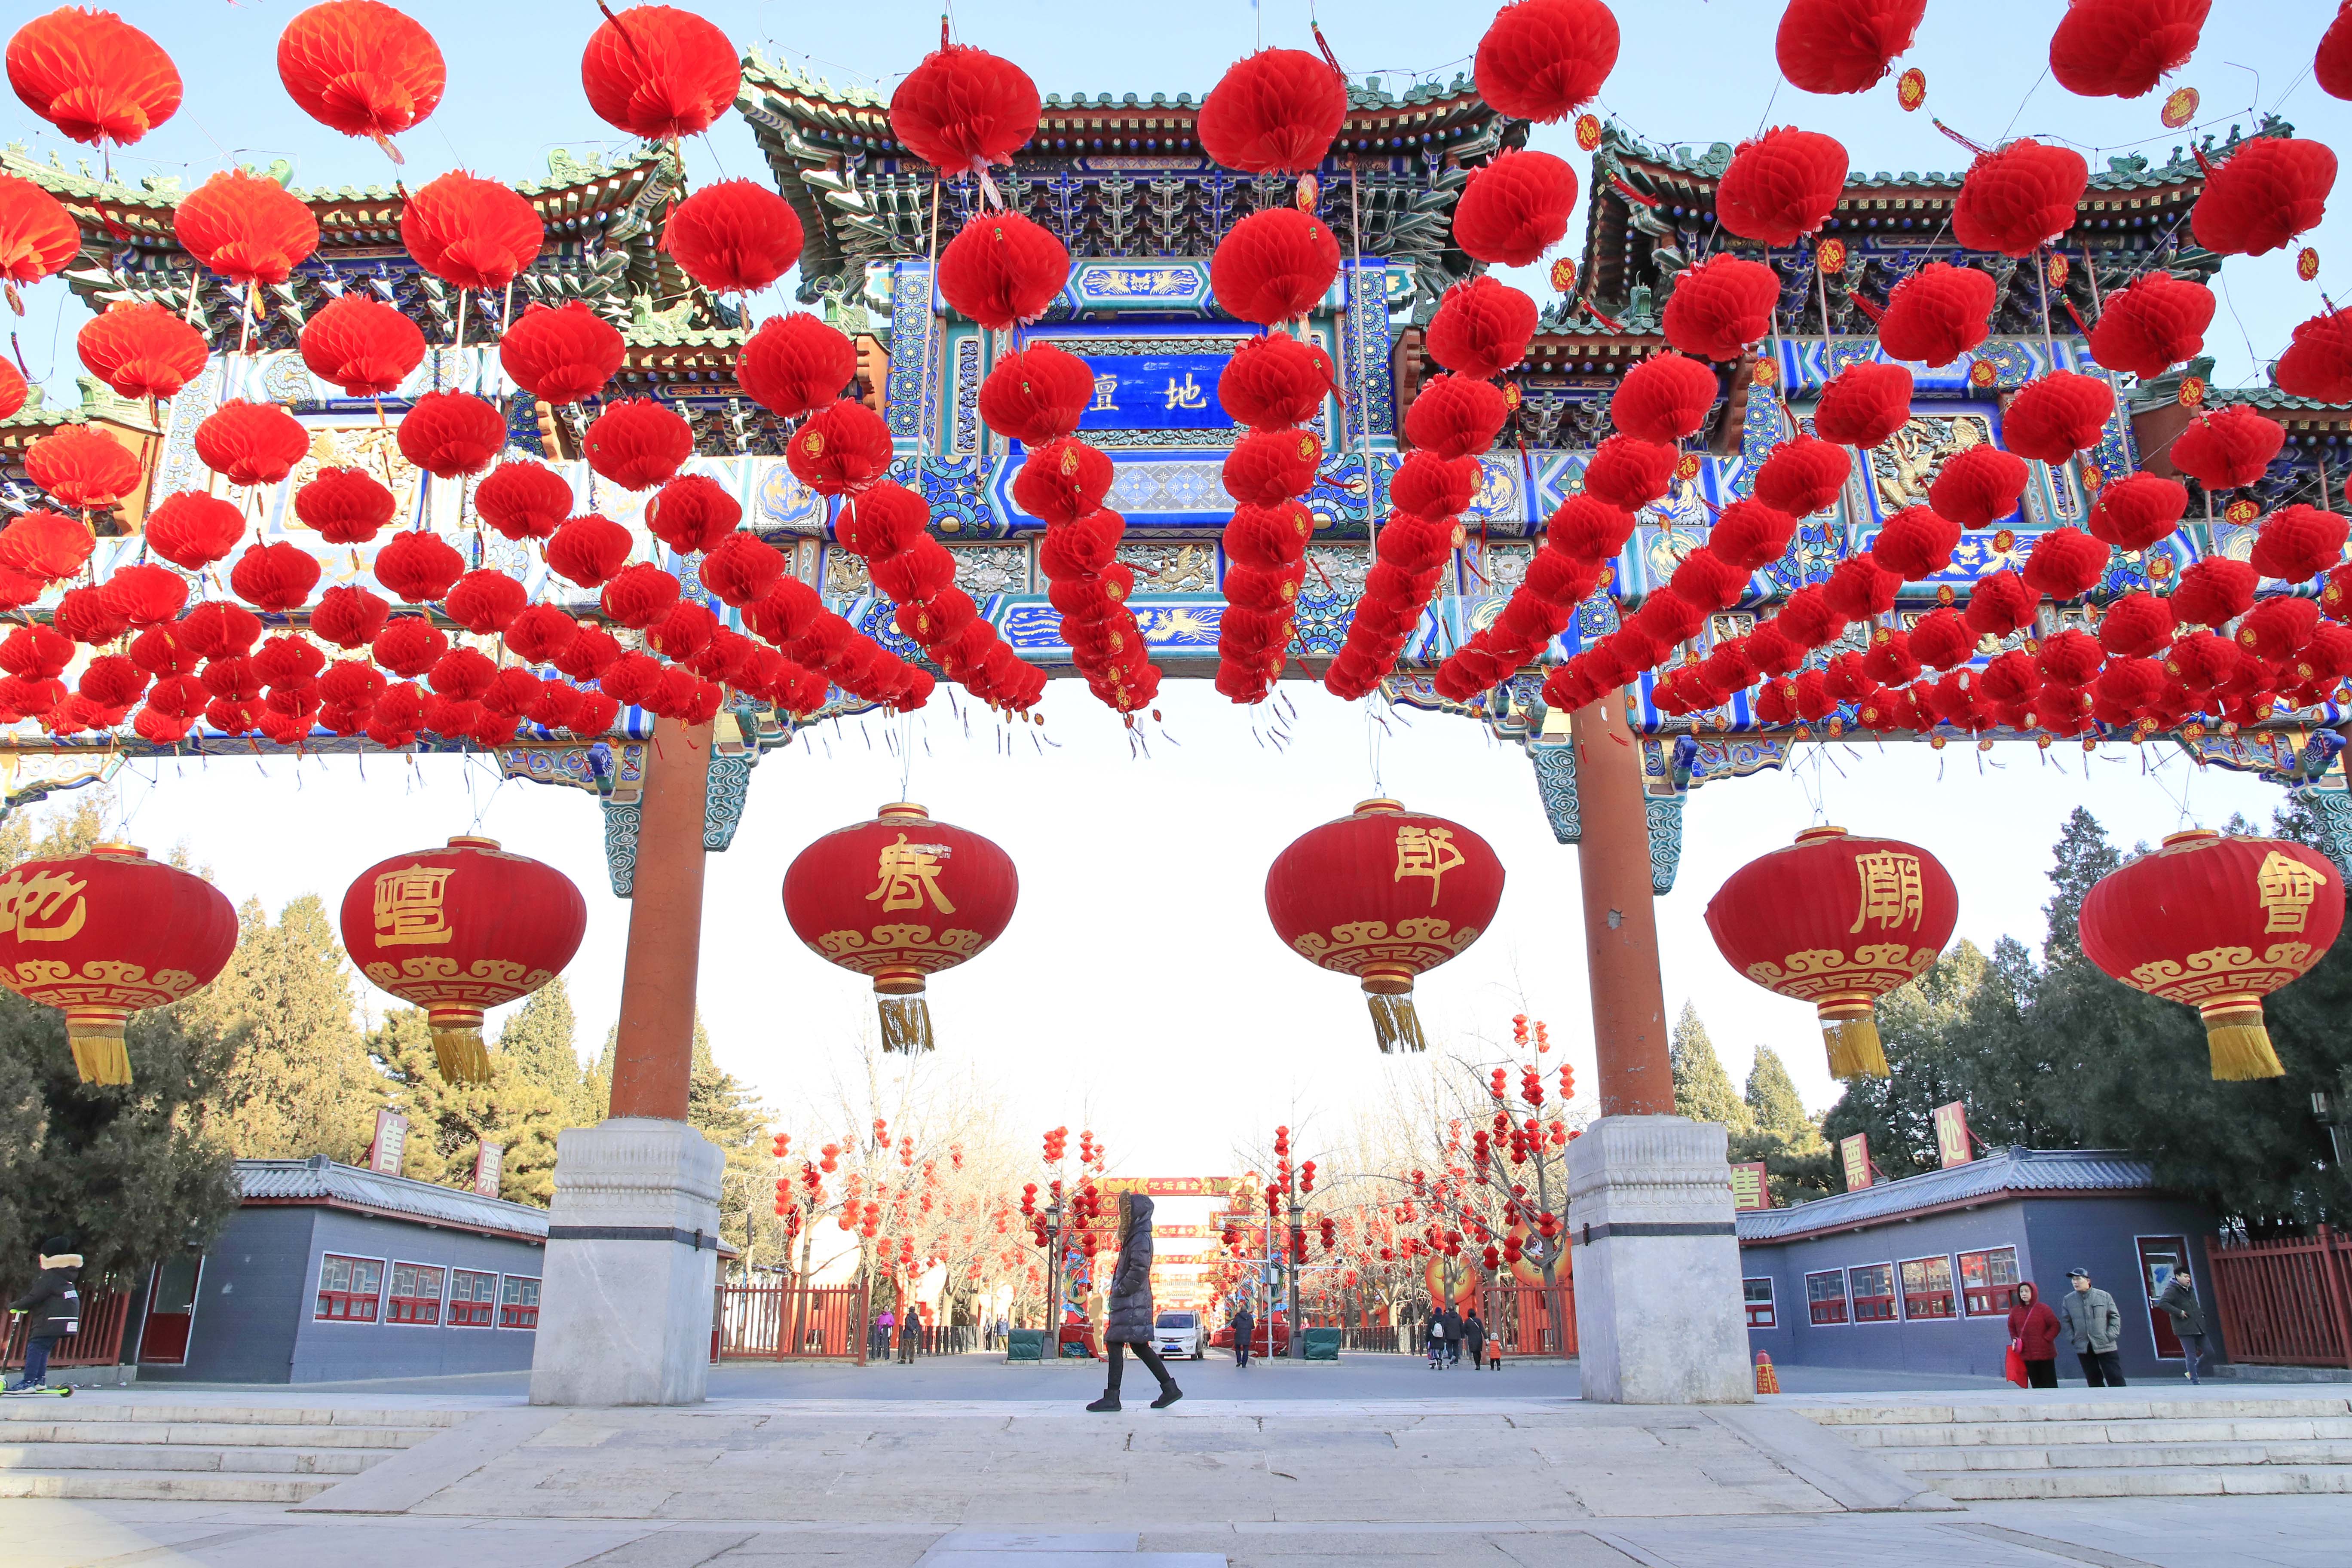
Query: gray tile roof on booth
[322, 1180]
[2011, 1171]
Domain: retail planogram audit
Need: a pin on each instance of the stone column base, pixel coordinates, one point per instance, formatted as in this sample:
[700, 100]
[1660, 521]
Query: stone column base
[1659, 1314]
[632, 1261]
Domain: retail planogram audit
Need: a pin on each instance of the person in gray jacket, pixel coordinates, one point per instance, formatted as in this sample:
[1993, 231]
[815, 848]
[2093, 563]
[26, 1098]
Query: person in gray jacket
[2178, 1300]
[1129, 1323]
[2093, 1325]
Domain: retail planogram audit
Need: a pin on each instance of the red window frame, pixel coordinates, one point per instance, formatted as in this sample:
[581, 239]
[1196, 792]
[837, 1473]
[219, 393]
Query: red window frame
[350, 1295]
[1928, 1303]
[1987, 1298]
[411, 1306]
[1828, 1311]
[475, 1303]
[514, 1313]
[1876, 1306]
[1760, 1314]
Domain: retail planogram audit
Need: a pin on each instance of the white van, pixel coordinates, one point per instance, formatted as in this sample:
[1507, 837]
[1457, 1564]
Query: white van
[1179, 1334]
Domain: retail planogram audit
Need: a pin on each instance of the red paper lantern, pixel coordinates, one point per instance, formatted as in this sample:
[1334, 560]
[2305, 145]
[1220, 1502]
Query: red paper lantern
[733, 237]
[2270, 190]
[2227, 448]
[1001, 270]
[1273, 264]
[145, 595]
[349, 617]
[1036, 394]
[1750, 535]
[1799, 476]
[452, 434]
[1915, 543]
[14, 393]
[2296, 543]
[140, 350]
[1664, 399]
[1978, 486]
[1837, 921]
[1844, 46]
[2066, 564]
[2121, 48]
[639, 443]
[1864, 405]
[1273, 112]
[588, 549]
[963, 108]
[794, 363]
[659, 72]
[840, 450]
[2212, 592]
[1721, 306]
[1623, 472]
[2318, 363]
[1481, 328]
[1275, 381]
[1937, 314]
[194, 530]
[361, 346]
[470, 233]
[1782, 186]
[2057, 414]
[1454, 416]
[418, 567]
[523, 500]
[2152, 324]
[37, 235]
[1266, 468]
[44, 546]
[361, 68]
[1384, 895]
[83, 467]
[274, 577]
[1515, 208]
[563, 354]
[94, 76]
[2137, 624]
[246, 227]
[103, 935]
[899, 898]
[639, 595]
[1545, 60]
[486, 602]
[692, 512]
[251, 443]
[2217, 923]
[2137, 511]
[2019, 198]
[458, 930]
[343, 506]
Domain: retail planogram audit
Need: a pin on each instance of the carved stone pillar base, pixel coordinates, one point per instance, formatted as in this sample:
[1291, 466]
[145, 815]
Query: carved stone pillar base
[1659, 1317]
[632, 1257]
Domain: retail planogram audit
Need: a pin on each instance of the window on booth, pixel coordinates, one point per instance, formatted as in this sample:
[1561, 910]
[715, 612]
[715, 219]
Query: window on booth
[350, 1288]
[1825, 1296]
[1758, 1294]
[519, 1306]
[1988, 1282]
[1928, 1288]
[1871, 1287]
[473, 1299]
[415, 1294]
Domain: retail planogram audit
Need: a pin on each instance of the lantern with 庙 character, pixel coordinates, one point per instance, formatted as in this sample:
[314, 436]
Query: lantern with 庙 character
[2217, 923]
[103, 935]
[1384, 894]
[899, 898]
[460, 930]
[1838, 922]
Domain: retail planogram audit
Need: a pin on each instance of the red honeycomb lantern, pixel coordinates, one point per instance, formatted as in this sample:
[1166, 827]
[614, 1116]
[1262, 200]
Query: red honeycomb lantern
[1384, 894]
[1838, 922]
[458, 930]
[103, 935]
[2217, 923]
[899, 898]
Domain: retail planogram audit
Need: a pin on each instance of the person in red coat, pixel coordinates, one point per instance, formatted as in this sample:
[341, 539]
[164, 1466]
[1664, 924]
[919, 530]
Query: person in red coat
[2034, 1335]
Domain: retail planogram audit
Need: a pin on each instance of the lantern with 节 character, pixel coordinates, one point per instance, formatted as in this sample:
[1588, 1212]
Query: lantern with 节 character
[2217, 923]
[103, 935]
[899, 898]
[1838, 922]
[1384, 894]
[460, 930]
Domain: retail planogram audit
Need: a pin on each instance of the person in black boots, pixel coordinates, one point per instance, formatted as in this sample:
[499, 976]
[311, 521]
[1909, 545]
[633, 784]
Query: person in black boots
[1128, 1326]
[53, 1310]
[1244, 1326]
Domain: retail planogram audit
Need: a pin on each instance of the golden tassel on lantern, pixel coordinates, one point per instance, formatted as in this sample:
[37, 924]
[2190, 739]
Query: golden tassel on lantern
[96, 1037]
[906, 1022]
[1395, 1025]
[1850, 1032]
[2239, 1041]
[457, 1049]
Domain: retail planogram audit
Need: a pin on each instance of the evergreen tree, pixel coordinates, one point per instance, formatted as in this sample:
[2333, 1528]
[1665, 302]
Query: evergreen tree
[2082, 856]
[1703, 1089]
[449, 1122]
[536, 1044]
[1773, 1102]
[1776, 1130]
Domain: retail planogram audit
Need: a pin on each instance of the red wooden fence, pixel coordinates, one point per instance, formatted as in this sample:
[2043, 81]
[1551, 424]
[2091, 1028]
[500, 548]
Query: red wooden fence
[786, 1323]
[1529, 1320]
[100, 1343]
[2288, 1303]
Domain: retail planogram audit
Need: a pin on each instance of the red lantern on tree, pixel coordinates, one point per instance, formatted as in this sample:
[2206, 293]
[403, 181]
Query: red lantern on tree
[1837, 921]
[1384, 894]
[460, 930]
[101, 936]
[2217, 923]
[899, 898]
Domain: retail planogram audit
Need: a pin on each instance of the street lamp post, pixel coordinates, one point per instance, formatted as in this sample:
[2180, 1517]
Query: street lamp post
[1052, 1345]
[1297, 1255]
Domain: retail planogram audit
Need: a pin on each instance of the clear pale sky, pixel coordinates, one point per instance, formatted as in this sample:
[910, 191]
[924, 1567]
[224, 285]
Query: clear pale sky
[1139, 988]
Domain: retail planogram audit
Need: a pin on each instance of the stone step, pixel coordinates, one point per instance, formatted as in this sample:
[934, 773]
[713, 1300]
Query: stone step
[163, 1456]
[219, 1436]
[157, 1485]
[2159, 1430]
[2155, 1406]
[2224, 1480]
[56, 1412]
[2110, 1456]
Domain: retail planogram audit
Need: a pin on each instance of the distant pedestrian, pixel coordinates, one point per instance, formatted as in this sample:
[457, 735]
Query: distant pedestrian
[910, 1336]
[2180, 1302]
[879, 1348]
[1474, 1339]
[1436, 1339]
[1002, 1330]
[1453, 1320]
[2034, 1335]
[2093, 1326]
[1244, 1327]
[52, 1310]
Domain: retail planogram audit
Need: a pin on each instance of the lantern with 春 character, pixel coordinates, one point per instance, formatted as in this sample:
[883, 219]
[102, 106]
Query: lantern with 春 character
[899, 898]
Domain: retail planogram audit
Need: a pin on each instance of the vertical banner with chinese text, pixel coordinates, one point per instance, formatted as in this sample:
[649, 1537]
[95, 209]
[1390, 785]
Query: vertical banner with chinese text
[1854, 1152]
[1952, 1134]
[488, 1159]
[1748, 1189]
[391, 1143]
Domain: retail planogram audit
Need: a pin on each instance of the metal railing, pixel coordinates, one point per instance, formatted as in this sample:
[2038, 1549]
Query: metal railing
[2285, 1303]
[104, 1311]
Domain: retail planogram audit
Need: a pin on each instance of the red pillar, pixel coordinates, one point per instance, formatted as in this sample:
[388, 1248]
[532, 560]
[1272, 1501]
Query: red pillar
[1621, 925]
[652, 1056]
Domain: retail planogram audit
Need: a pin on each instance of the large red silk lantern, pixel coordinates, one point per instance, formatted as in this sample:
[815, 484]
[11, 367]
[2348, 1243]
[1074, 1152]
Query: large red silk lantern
[93, 75]
[1384, 894]
[2217, 923]
[899, 898]
[103, 935]
[1838, 922]
[460, 930]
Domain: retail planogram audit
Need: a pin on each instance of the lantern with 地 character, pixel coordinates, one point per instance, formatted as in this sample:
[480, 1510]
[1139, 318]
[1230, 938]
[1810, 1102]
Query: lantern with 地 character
[458, 930]
[1384, 894]
[2217, 923]
[101, 936]
[899, 898]
[1838, 922]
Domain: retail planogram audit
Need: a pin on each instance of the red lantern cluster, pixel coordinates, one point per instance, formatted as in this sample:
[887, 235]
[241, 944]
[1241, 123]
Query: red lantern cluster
[1275, 385]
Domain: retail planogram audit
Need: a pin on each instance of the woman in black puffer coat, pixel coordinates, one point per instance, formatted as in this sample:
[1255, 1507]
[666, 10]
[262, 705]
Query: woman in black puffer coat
[1131, 1321]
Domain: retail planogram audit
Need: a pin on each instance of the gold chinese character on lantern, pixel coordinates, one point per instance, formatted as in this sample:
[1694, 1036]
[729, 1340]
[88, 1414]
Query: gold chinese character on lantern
[408, 907]
[1425, 852]
[907, 874]
[46, 906]
[1891, 893]
[2286, 887]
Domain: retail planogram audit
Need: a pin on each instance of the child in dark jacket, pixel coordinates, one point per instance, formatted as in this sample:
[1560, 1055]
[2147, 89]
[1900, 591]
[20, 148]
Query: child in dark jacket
[52, 1309]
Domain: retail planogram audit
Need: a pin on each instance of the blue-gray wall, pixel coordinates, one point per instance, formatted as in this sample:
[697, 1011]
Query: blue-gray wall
[2052, 1234]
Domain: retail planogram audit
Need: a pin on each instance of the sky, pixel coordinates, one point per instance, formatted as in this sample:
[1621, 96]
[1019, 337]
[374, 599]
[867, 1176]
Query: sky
[1140, 989]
